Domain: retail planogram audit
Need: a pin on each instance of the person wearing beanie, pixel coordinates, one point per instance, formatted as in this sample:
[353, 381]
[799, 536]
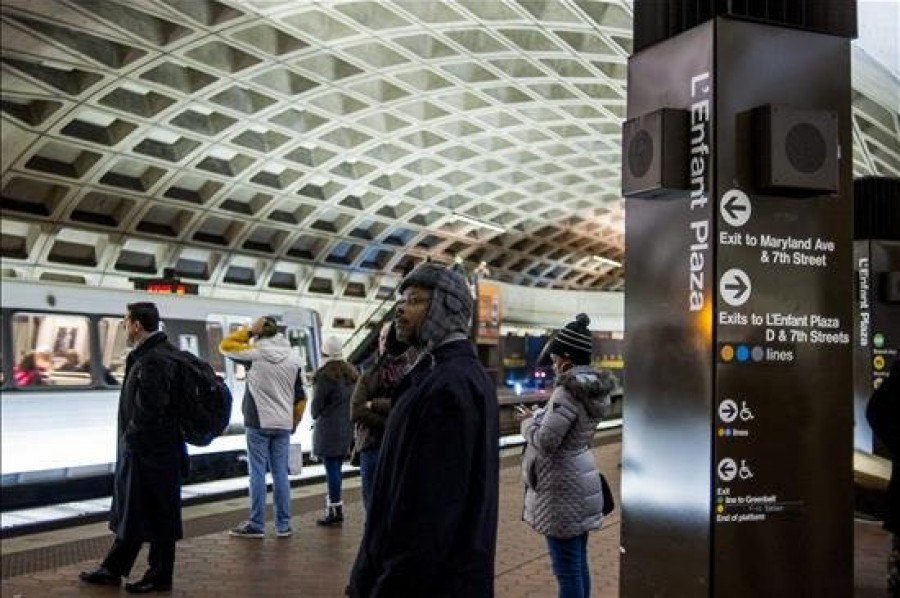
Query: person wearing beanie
[883, 414]
[431, 528]
[274, 383]
[332, 431]
[563, 493]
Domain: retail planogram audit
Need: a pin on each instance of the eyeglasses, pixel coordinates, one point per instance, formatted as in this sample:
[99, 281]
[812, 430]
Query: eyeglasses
[412, 301]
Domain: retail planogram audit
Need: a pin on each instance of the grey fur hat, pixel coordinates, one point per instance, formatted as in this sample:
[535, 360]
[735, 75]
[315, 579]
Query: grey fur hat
[450, 310]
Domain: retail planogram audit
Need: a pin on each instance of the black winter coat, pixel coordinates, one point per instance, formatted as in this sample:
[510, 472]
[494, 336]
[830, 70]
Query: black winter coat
[883, 414]
[431, 529]
[146, 503]
[332, 431]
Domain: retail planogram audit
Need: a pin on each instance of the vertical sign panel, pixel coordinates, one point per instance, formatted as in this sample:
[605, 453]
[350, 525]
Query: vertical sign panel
[782, 466]
[862, 345]
[666, 438]
[885, 321]
[489, 314]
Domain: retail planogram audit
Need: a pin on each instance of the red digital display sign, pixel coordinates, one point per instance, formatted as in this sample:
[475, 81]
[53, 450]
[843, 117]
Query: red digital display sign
[162, 286]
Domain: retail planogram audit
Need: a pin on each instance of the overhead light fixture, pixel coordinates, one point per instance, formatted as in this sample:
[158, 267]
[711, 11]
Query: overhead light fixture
[477, 222]
[606, 260]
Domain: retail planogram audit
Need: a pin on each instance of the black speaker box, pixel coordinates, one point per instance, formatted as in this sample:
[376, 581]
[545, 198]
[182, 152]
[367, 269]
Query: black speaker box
[890, 287]
[655, 154]
[796, 150]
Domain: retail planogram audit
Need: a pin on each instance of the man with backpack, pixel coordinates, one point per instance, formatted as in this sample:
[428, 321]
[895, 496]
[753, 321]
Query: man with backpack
[274, 384]
[151, 455]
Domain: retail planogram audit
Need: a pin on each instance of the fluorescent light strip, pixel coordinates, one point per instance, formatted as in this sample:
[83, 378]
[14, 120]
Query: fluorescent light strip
[477, 222]
[606, 260]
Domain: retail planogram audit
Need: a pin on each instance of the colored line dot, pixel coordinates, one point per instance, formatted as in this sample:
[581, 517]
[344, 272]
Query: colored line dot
[727, 352]
[743, 353]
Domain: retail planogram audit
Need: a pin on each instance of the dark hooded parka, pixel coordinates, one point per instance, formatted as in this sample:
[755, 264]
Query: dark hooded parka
[883, 414]
[146, 504]
[432, 525]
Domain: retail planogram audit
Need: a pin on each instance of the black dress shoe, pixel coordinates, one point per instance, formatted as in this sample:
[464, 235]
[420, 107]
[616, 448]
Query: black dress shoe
[145, 586]
[101, 576]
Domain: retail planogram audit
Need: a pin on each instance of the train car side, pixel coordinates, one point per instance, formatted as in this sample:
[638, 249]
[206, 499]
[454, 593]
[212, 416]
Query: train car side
[62, 354]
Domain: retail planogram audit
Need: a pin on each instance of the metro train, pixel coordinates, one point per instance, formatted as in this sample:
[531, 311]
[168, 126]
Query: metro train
[62, 360]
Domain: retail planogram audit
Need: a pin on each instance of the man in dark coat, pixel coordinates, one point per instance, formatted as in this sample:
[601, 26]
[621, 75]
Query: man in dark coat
[883, 414]
[432, 525]
[146, 504]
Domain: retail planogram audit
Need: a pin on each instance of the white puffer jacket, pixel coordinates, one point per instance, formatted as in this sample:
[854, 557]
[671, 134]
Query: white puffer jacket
[563, 497]
[273, 373]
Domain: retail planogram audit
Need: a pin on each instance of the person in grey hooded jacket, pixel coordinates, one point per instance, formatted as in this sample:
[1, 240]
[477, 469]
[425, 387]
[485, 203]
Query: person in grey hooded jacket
[563, 495]
[274, 383]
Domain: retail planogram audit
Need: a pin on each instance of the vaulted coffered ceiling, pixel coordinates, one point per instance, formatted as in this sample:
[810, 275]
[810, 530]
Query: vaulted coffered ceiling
[289, 146]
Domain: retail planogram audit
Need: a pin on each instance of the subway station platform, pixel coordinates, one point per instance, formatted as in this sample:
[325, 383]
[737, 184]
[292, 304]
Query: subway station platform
[315, 561]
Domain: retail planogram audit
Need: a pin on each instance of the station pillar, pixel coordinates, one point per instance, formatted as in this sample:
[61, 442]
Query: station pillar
[738, 423]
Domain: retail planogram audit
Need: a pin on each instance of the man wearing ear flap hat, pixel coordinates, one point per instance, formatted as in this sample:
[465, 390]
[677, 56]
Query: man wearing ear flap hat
[432, 523]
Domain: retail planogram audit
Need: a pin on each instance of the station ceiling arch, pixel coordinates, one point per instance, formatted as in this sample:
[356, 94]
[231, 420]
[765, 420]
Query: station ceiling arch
[288, 146]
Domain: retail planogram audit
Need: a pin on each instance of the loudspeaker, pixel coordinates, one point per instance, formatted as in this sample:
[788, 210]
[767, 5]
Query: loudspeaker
[654, 154]
[890, 287]
[797, 150]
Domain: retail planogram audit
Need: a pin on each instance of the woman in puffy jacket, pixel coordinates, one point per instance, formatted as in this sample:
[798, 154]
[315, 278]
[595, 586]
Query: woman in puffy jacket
[563, 496]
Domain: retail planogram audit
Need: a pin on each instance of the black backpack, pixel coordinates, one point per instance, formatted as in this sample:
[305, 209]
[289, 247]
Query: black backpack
[204, 401]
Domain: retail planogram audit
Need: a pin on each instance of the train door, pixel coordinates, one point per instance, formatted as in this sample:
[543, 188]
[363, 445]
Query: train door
[234, 374]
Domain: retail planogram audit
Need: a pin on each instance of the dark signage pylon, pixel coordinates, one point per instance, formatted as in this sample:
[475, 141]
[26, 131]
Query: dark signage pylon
[737, 440]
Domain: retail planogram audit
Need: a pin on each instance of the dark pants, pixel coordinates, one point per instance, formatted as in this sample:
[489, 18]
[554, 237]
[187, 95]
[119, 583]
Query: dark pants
[333, 478]
[122, 554]
[894, 568]
[569, 559]
[368, 460]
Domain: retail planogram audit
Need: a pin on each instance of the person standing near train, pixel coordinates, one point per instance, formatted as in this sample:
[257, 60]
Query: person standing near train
[332, 430]
[372, 398]
[431, 529]
[274, 382]
[883, 414]
[151, 456]
[563, 493]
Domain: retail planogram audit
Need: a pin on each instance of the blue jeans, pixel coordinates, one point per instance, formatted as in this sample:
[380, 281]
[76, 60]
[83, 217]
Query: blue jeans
[269, 447]
[368, 459]
[569, 559]
[333, 478]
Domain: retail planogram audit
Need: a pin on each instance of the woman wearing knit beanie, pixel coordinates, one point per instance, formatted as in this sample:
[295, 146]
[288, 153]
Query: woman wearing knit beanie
[563, 495]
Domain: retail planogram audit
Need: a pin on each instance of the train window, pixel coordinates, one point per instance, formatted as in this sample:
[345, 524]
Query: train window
[50, 350]
[187, 334]
[213, 338]
[301, 339]
[113, 349]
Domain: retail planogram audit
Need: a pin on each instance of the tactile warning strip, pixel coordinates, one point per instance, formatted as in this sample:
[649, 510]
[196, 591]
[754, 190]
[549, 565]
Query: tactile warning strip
[69, 552]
